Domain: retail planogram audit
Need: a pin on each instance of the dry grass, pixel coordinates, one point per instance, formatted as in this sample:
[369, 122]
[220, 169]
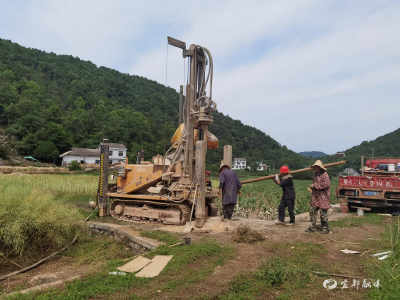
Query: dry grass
[246, 235]
[31, 219]
[31, 169]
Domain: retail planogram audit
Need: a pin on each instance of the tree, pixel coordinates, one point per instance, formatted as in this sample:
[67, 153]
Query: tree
[46, 151]
[57, 134]
[28, 144]
[3, 151]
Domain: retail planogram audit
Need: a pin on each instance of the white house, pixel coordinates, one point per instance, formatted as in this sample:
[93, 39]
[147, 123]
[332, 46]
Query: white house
[239, 164]
[117, 152]
[92, 156]
[262, 167]
[82, 155]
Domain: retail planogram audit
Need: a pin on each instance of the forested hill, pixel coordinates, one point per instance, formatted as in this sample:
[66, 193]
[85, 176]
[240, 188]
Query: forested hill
[313, 154]
[387, 145]
[50, 103]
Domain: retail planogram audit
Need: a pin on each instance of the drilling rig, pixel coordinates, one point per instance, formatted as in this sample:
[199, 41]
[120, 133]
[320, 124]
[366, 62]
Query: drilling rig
[171, 193]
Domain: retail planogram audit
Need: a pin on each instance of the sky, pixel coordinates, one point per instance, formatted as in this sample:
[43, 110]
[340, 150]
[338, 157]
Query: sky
[314, 75]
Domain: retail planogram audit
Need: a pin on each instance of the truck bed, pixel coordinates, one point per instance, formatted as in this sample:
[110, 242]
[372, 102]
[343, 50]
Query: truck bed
[372, 191]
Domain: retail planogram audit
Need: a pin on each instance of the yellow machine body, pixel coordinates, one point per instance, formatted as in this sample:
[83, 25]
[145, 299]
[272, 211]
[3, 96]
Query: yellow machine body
[139, 177]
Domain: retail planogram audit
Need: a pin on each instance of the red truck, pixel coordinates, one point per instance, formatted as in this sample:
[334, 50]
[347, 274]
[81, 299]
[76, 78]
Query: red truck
[378, 185]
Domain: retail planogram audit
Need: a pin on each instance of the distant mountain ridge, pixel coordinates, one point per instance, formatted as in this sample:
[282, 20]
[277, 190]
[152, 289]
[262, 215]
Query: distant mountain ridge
[387, 145]
[313, 154]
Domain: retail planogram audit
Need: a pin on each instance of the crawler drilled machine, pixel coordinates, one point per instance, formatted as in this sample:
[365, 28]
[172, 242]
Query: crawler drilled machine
[170, 190]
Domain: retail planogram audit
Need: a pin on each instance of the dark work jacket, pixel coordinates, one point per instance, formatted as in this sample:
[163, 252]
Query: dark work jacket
[287, 188]
[229, 184]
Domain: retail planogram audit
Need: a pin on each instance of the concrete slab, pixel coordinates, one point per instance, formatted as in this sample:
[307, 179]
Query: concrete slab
[158, 263]
[134, 236]
[135, 265]
[125, 232]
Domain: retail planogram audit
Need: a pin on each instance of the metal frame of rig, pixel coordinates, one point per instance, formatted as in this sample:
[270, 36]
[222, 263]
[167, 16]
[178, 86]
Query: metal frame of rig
[171, 193]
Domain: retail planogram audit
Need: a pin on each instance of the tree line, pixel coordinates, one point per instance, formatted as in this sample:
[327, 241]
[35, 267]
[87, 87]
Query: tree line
[50, 103]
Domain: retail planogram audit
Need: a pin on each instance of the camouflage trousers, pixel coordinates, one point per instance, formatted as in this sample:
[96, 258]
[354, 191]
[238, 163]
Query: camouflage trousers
[323, 214]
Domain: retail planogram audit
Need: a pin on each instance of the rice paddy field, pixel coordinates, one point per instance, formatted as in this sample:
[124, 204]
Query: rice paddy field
[41, 212]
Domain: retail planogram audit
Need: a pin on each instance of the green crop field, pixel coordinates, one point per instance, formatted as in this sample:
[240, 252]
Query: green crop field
[260, 200]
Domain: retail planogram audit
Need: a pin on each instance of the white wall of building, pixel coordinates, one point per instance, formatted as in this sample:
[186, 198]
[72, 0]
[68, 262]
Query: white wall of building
[67, 159]
[239, 164]
[117, 155]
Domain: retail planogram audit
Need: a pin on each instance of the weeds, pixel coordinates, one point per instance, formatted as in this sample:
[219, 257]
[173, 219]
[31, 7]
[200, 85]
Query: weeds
[388, 270]
[275, 271]
[31, 220]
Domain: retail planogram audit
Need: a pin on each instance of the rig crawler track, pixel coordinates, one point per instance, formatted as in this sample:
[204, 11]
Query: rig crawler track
[150, 211]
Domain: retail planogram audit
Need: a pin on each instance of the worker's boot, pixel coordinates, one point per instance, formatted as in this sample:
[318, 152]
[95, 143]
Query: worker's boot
[311, 229]
[280, 223]
[225, 215]
[325, 230]
[230, 215]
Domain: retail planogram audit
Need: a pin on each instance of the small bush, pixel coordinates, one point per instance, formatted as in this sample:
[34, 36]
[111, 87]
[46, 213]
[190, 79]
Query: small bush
[75, 166]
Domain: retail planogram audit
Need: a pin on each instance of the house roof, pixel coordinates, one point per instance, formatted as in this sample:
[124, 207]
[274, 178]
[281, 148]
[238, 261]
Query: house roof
[237, 158]
[114, 145]
[82, 152]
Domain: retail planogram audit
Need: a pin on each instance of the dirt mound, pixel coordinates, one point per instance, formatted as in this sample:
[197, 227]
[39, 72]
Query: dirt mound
[246, 235]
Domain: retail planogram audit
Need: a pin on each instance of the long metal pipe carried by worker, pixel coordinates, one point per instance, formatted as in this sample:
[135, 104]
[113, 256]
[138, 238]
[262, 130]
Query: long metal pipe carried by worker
[342, 162]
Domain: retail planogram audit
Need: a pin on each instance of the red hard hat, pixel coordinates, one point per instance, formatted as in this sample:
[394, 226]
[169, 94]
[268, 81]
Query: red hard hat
[208, 172]
[284, 169]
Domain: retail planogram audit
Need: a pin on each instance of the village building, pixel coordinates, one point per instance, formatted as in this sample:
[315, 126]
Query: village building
[340, 154]
[117, 152]
[239, 164]
[81, 155]
[92, 156]
[262, 167]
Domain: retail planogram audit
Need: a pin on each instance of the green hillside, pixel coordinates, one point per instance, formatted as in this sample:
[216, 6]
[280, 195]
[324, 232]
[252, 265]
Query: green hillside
[49, 103]
[387, 145]
[313, 154]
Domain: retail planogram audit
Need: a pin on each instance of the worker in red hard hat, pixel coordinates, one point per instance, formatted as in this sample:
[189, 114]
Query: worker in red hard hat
[208, 181]
[287, 200]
